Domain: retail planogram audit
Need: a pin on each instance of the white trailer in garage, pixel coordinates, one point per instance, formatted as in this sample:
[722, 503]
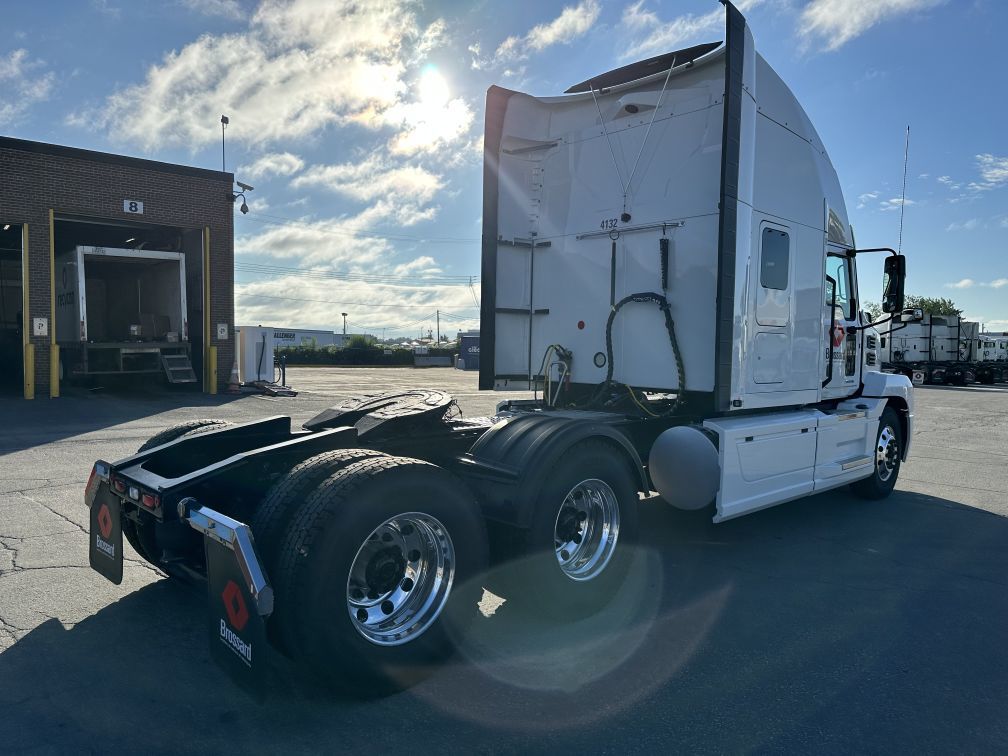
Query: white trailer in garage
[122, 311]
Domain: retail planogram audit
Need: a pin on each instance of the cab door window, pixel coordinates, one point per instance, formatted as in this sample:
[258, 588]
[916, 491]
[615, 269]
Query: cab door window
[838, 269]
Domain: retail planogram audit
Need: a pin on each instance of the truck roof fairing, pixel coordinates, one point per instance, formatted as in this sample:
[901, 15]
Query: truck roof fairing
[643, 69]
[702, 156]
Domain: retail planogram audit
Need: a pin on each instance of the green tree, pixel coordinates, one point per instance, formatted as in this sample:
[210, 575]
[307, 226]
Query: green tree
[358, 341]
[874, 310]
[933, 305]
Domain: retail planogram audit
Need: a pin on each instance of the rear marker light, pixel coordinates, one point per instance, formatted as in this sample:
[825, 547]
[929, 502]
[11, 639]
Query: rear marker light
[101, 469]
[119, 486]
[149, 501]
[134, 493]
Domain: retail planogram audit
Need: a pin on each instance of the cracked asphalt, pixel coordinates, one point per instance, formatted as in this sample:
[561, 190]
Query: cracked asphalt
[826, 625]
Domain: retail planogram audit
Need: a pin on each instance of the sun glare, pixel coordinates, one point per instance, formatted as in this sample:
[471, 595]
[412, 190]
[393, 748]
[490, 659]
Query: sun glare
[433, 88]
[433, 117]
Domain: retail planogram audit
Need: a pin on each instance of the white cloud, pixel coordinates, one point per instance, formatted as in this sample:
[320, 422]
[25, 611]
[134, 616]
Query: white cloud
[298, 68]
[894, 204]
[373, 179]
[835, 22]
[971, 225]
[993, 172]
[998, 283]
[924, 176]
[650, 35]
[105, 9]
[24, 83]
[574, 21]
[864, 199]
[230, 9]
[272, 164]
[948, 182]
[305, 302]
[966, 283]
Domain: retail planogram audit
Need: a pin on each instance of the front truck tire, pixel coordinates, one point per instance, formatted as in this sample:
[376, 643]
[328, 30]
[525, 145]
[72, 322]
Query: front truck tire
[380, 573]
[141, 537]
[888, 452]
[575, 556]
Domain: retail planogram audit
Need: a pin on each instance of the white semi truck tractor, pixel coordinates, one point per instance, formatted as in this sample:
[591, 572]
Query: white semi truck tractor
[669, 267]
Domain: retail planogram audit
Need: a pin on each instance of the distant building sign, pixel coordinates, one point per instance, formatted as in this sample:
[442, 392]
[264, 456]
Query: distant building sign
[284, 335]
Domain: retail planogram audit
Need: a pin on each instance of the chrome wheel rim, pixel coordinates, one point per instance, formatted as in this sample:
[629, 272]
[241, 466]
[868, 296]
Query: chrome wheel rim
[400, 579]
[886, 454]
[586, 529]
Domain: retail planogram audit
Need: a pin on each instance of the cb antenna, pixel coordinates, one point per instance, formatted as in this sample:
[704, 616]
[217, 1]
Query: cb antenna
[906, 154]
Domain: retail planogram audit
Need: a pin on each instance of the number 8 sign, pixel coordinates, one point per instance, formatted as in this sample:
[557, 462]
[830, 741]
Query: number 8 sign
[132, 206]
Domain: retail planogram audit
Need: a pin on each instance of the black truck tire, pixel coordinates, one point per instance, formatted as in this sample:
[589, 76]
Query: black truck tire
[379, 574]
[590, 492]
[888, 451]
[141, 537]
[282, 501]
[175, 432]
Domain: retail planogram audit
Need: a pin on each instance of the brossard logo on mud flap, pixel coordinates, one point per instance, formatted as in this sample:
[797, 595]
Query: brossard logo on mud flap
[102, 543]
[237, 616]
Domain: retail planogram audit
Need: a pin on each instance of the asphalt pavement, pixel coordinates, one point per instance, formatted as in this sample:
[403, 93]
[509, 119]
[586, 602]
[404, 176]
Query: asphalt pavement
[827, 625]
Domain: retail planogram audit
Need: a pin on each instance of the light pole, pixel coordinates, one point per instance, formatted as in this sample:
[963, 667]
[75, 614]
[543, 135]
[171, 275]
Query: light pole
[344, 327]
[224, 121]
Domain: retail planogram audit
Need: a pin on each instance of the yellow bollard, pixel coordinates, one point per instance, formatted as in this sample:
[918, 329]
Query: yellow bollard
[54, 371]
[29, 371]
[212, 369]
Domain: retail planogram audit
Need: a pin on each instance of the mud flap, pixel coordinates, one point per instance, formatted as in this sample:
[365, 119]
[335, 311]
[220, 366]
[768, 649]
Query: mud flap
[240, 598]
[106, 538]
[237, 632]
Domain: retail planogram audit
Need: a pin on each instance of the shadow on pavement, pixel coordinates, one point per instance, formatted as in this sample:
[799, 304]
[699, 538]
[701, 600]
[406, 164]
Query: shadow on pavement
[77, 411]
[830, 624]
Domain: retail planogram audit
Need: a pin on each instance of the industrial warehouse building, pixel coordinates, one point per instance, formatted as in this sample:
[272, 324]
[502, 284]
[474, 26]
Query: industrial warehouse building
[131, 218]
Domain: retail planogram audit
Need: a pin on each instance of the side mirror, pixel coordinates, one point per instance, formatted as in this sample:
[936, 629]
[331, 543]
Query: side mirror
[912, 315]
[893, 281]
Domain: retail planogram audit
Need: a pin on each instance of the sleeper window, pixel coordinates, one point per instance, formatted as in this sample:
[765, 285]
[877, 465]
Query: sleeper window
[774, 259]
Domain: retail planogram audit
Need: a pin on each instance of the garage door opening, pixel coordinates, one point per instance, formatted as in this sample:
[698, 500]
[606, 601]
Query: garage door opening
[11, 307]
[128, 301]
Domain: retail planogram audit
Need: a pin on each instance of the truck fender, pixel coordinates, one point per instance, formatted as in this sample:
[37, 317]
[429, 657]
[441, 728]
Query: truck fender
[897, 391]
[508, 465]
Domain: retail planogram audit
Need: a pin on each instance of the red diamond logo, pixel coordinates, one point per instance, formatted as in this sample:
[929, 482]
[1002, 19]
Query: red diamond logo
[838, 334]
[105, 521]
[234, 605]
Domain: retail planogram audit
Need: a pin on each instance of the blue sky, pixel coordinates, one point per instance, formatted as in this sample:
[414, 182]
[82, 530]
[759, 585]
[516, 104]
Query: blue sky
[360, 123]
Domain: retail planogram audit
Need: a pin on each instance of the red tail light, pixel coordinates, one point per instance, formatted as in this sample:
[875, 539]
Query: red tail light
[149, 500]
[119, 485]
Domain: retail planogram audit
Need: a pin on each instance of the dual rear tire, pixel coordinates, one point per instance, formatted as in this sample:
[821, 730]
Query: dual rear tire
[377, 572]
[574, 557]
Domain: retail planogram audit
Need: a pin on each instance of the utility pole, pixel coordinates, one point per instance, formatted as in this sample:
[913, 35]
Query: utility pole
[344, 327]
[439, 326]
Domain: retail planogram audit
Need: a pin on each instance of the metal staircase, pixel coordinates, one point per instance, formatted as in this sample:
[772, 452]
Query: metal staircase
[178, 368]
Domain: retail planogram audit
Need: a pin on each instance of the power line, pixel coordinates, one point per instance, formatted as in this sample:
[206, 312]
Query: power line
[341, 304]
[279, 220]
[377, 278]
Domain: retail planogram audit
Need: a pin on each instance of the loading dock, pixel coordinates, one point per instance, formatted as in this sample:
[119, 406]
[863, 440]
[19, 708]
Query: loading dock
[57, 200]
[12, 314]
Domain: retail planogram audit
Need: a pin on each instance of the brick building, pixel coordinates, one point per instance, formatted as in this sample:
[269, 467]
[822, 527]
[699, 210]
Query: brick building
[54, 199]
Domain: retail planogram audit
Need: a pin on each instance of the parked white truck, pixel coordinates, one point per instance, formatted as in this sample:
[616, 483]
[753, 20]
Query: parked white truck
[942, 349]
[667, 259]
[122, 311]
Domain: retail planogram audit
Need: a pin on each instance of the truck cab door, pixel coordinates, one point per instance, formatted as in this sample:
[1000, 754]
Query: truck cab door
[842, 364]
